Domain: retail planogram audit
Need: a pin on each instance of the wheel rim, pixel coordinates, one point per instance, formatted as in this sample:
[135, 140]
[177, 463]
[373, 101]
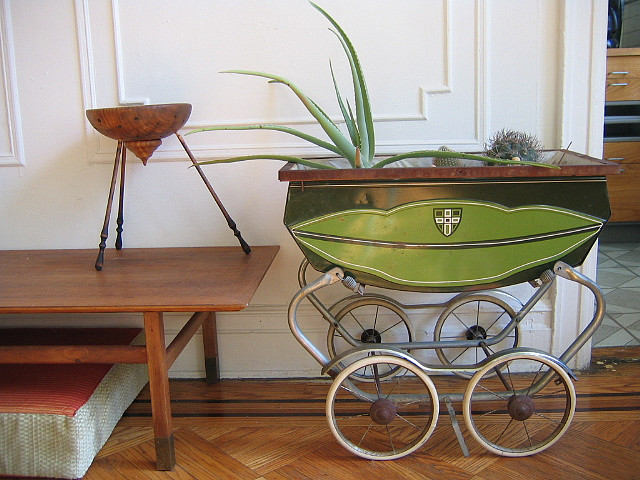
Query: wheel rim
[471, 319]
[370, 320]
[384, 419]
[523, 410]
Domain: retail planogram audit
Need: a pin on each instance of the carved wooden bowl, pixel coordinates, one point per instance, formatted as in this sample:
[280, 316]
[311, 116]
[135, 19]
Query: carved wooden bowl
[141, 127]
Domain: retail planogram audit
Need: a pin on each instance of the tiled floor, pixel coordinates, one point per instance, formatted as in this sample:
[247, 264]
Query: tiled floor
[619, 278]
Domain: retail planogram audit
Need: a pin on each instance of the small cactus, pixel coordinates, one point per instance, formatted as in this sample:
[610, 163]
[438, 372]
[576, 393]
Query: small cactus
[446, 162]
[509, 144]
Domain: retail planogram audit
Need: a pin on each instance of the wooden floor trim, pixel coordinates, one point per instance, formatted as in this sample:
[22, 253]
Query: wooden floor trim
[276, 430]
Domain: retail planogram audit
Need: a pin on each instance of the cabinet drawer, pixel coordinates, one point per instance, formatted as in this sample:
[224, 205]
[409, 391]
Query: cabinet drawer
[624, 194]
[623, 78]
[622, 152]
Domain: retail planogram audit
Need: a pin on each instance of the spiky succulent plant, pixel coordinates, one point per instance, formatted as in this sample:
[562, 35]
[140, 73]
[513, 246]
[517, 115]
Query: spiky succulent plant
[445, 162]
[358, 144]
[508, 144]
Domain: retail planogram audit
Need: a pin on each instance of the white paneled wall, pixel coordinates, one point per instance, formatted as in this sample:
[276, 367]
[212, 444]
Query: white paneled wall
[440, 72]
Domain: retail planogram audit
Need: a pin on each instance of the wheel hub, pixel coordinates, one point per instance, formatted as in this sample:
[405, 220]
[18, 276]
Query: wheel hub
[371, 335]
[383, 411]
[476, 332]
[521, 407]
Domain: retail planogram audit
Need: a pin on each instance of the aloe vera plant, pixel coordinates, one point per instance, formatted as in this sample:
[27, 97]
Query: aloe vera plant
[358, 144]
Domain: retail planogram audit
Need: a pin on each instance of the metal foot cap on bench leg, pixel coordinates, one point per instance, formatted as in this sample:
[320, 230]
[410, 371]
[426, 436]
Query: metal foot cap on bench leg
[165, 453]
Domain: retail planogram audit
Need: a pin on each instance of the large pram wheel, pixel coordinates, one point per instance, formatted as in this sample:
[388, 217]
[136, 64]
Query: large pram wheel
[524, 409]
[370, 320]
[477, 316]
[386, 418]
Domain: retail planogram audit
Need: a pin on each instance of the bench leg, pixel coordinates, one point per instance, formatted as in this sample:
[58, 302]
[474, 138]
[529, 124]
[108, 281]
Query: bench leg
[159, 388]
[210, 341]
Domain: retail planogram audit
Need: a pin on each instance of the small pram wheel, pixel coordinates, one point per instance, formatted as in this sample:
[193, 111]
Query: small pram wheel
[471, 317]
[372, 320]
[524, 409]
[387, 418]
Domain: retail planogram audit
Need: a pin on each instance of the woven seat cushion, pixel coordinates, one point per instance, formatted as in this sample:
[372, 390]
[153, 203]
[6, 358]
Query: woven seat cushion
[55, 418]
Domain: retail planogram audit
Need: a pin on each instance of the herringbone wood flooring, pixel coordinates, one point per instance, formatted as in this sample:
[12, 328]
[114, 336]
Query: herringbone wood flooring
[276, 430]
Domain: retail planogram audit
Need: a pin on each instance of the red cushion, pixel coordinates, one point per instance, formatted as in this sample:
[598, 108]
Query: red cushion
[55, 389]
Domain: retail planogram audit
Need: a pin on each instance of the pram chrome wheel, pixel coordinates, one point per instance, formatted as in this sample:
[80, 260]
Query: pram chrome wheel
[473, 317]
[370, 320]
[387, 418]
[524, 409]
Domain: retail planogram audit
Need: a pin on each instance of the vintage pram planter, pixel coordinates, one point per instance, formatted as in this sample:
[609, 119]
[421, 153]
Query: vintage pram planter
[435, 230]
[445, 229]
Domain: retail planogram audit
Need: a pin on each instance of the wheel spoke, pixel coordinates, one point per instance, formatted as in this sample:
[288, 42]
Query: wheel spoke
[504, 431]
[464, 350]
[490, 412]
[419, 400]
[375, 319]
[524, 424]
[409, 422]
[550, 394]
[392, 326]
[460, 320]
[509, 375]
[376, 378]
[533, 382]
[342, 386]
[553, 420]
[365, 433]
[390, 439]
[360, 415]
[495, 321]
[493, 393]
[396, 383]
[357, 321]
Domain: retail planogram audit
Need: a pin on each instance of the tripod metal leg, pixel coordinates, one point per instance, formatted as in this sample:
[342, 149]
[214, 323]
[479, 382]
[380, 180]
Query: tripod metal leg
[105, 228]
[232, 225]
[120, 220]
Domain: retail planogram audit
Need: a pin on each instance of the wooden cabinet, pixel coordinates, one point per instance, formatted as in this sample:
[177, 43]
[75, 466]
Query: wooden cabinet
[622, 132]
[623, 76]
[624, 189]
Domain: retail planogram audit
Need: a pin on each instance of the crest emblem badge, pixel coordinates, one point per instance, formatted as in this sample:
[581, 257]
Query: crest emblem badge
[447, 219]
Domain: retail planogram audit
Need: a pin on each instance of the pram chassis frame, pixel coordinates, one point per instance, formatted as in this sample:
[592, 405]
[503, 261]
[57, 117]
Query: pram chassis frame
[365, 227]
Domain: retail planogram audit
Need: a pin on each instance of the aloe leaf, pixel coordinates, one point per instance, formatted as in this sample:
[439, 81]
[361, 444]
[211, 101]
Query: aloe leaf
[467, 156]
[363, 114]
[284, 158]
[347, 114]
[347, 150]
[280, 128]
[363, 106]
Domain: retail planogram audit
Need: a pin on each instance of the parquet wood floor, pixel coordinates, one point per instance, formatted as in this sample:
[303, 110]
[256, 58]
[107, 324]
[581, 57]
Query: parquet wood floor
[276, 430]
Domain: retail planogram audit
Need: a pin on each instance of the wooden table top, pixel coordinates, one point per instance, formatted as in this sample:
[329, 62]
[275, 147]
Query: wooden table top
[188, 279]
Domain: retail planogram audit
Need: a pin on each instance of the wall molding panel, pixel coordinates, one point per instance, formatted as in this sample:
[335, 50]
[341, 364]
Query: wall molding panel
[11, 141]
[123, 99]
[107, 76]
